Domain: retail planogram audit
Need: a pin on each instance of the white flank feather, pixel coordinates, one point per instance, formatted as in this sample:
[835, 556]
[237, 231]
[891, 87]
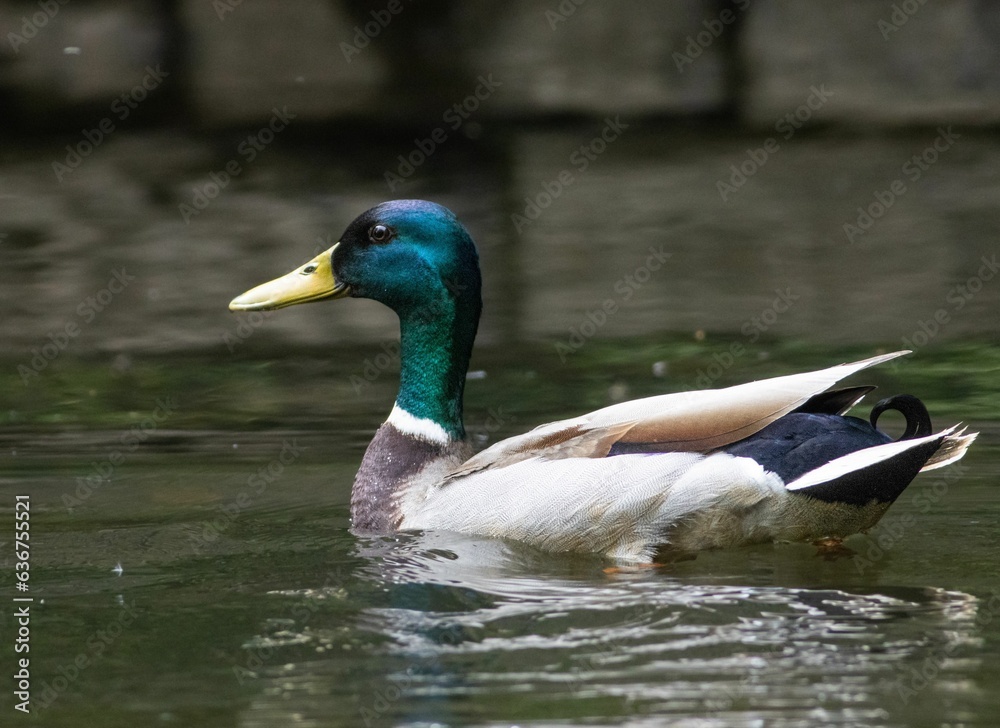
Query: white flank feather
[619, 506]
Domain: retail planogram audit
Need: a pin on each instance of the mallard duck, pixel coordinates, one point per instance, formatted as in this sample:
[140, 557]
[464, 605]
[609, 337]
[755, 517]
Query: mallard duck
[771, 460]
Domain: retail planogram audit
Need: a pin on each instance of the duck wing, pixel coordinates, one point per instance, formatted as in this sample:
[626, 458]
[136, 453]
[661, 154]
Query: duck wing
[698, 421]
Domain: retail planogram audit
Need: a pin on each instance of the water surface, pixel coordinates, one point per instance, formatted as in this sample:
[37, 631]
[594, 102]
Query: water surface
[243, 598]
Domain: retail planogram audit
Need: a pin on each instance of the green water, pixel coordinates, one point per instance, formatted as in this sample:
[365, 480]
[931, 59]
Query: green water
[221, 491]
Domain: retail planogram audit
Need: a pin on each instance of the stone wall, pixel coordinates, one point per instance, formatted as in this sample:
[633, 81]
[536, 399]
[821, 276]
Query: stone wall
[231, 62]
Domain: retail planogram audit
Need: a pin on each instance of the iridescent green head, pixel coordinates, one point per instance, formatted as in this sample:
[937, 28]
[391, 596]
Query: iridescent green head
[416, 258]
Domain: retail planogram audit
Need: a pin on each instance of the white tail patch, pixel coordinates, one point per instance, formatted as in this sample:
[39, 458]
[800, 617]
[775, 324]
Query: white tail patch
[418, 427]
[952, 449]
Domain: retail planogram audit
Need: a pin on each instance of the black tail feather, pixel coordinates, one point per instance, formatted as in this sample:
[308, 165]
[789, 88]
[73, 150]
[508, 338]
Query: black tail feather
[835, 401]
[918, 420]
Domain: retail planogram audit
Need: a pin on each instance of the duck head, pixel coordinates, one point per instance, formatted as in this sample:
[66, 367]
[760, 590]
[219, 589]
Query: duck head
[417, 259]
[407, 254]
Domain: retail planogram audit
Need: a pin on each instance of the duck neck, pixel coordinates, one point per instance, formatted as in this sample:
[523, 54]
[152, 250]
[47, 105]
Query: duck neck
[435, 346]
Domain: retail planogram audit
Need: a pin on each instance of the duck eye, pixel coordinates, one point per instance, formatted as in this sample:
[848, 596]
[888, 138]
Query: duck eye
[309, 269]
[379, 234]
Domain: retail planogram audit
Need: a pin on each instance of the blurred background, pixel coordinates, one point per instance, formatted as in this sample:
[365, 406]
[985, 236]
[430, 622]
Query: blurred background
[755, 141]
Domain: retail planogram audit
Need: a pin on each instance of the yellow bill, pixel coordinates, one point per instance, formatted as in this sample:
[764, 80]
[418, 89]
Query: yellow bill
[313, 281]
